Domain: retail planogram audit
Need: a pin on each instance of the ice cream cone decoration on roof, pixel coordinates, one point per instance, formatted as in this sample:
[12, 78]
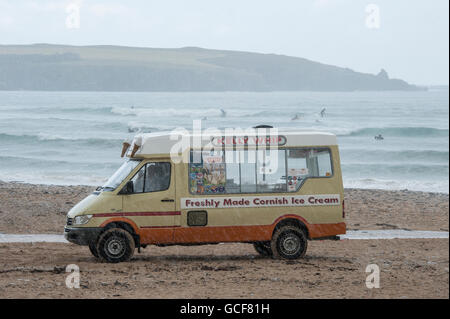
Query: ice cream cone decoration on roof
[125, 146]
[137, 143]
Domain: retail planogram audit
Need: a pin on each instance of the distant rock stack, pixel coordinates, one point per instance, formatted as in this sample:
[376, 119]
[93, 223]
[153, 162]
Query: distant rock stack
[383, 75]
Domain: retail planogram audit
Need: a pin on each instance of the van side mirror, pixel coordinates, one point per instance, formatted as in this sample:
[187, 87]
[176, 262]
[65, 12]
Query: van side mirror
[128, 188]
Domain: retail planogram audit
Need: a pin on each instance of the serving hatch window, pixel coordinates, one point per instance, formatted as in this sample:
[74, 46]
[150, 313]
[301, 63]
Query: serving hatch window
[256, 171]
[271, 171]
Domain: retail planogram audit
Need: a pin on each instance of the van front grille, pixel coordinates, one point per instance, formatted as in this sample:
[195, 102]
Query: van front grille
[69, 221]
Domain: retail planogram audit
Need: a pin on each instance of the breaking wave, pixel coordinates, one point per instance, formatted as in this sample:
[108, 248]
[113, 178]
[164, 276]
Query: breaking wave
[399, 131]
[50, 138]
[410, 156]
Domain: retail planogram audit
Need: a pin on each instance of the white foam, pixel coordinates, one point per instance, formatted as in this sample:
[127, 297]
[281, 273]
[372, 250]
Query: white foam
[32, 238]
[351, 234]
[167, 111]
[392, 234]
[420, 186]
[54, 179]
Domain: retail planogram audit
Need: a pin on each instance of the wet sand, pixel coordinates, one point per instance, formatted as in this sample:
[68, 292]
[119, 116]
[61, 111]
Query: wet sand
[409, 268]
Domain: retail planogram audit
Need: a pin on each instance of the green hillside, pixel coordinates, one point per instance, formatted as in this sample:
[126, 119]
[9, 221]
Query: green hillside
[115, 68]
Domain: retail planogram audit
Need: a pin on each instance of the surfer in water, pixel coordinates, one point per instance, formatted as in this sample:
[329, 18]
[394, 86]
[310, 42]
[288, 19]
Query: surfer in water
[379, 137]
[223, 113]
[133, 129]
[322, 113]
[296, 117]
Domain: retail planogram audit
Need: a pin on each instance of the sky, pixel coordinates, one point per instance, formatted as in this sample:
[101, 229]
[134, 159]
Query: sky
[408, 38]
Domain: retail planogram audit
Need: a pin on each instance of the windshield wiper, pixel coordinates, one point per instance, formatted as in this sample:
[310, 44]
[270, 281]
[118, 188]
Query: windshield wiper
[104, 188]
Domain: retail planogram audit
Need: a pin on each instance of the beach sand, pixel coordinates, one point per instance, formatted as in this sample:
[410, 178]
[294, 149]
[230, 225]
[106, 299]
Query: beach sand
[409, 268]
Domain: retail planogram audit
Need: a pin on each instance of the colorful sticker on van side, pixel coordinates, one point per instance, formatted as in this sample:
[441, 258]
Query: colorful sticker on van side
[207, 178]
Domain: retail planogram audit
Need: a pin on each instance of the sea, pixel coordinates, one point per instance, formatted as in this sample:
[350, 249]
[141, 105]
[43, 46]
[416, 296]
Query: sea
[74, 138]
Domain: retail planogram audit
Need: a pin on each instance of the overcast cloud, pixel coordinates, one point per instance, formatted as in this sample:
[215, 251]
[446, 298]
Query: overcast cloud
[411, 42]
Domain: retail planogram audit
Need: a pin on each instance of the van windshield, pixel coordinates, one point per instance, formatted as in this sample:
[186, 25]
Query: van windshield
[120, 175]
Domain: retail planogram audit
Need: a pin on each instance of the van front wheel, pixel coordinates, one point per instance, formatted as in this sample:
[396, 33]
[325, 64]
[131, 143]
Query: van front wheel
[115, 245]
[289, 242]
[263, 248]
[93, 249]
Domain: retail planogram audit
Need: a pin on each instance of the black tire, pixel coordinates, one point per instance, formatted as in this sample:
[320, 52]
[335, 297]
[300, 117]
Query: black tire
[263, 248]
[115, 245]
[289, 242]
[93, 249]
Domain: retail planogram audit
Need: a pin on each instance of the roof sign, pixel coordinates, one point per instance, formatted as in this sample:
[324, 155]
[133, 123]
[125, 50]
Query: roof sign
[269, 140]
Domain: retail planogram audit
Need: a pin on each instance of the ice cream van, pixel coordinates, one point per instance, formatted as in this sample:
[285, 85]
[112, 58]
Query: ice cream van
[274, 191]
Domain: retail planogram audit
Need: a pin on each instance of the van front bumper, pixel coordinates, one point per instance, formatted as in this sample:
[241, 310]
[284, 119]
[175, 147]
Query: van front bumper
[82, 235]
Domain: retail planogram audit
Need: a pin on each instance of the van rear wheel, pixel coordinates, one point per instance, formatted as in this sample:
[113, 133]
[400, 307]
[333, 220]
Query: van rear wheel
[289, 242]
[115, 245]
[263, 248]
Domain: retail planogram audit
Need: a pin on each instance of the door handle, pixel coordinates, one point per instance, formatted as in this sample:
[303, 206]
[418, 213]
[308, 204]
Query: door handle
[167, 200]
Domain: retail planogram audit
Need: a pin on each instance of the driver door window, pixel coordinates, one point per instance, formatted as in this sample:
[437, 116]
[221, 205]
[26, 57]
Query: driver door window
[152, 177]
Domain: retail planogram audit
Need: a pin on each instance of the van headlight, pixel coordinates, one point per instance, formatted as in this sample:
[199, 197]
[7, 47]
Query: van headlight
[81, 220]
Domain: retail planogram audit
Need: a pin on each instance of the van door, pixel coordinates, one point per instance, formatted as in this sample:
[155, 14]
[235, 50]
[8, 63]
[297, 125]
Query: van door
[151, 205]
